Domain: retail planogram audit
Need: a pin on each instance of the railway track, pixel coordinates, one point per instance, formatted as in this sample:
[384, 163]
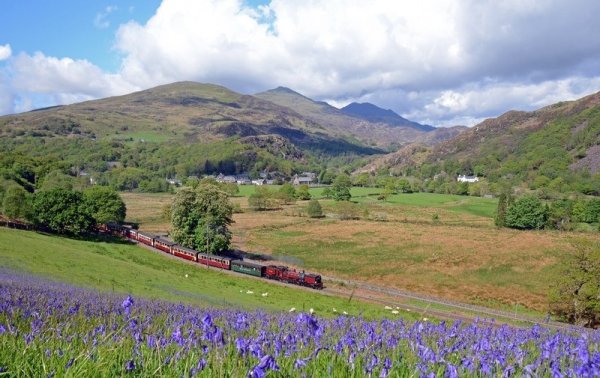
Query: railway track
[450, 309]
[442, 308]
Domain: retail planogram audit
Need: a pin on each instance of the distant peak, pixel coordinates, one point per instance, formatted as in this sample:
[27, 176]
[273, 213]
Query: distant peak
[366, 108]
[283, 89]
[374, 113]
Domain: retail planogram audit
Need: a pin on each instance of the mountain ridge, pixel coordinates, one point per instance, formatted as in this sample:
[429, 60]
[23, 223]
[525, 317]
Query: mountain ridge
[374, 113]
[380, 134]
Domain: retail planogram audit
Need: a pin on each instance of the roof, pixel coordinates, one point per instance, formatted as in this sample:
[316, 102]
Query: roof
[165, 241]
[248, 264]
[184, 249]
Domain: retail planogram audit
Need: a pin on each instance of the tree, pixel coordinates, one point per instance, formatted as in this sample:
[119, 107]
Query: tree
[314, 209]
[200, 218]
[403, 186]
[462, 189]
[286, 193]
[303, 193]
[326, 192]
[16, 203]
[389, 189]
[326, 177]
[261, 199]
[362, 179]
[504, 201]
[340, 190]
[559, 214]
[62, 211]
[528, 212]
[104, 204]
[57, 179]
[575, 294]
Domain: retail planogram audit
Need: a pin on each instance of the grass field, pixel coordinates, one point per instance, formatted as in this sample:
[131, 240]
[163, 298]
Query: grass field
[126, 268]
[459, 256]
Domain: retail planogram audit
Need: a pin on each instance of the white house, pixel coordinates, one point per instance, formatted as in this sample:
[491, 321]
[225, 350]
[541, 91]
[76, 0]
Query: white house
[465, 178]
[174, 181]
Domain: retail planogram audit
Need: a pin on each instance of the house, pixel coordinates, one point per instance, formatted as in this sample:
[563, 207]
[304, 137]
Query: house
[259, 182]
[465, 178]
[312, 175]
[226, 179]
[240, 180]
[174, 181]
[307, 178]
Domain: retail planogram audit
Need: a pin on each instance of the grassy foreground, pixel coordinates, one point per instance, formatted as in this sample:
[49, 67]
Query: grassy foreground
[55, 330]
[114, 265]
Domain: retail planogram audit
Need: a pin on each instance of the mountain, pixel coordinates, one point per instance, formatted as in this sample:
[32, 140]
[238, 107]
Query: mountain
[556, 147]
[373, 113]
[389, 134]
[184, 111]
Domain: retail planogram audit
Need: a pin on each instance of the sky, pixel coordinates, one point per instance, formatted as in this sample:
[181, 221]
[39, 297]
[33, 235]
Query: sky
[439, 62]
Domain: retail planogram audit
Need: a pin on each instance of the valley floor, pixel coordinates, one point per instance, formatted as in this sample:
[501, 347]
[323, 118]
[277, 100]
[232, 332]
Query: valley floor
[459, 256]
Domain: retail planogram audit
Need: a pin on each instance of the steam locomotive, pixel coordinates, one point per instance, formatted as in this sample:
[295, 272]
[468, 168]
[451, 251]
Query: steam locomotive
[272, 272]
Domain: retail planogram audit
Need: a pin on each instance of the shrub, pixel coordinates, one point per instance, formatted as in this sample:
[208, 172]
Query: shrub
[526, 213]
[314, 209]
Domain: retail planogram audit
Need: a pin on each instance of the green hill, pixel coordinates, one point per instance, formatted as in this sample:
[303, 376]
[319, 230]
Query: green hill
[555, 148]
[119, 266]
[134, 142]
[184, 111]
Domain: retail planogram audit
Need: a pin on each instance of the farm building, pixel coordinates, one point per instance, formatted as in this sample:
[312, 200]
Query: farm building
[465, 178]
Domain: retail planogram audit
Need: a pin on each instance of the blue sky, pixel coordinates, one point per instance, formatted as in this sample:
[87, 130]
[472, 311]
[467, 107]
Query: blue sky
[77, 29]
[441, 62]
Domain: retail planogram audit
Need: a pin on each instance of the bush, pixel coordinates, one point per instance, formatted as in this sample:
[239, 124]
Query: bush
[261, 199]
[347, 210]
[314, 209]
[526, 213]
[302, 193]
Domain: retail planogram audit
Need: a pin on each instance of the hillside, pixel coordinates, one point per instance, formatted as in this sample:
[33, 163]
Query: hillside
[111, 265]
[373, 113]
[415, 153]
[556, 147]
[184, 111]
[381, 132]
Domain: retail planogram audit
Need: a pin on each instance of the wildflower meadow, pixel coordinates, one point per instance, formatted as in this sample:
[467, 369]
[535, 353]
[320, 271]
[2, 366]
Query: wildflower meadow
[54, 330]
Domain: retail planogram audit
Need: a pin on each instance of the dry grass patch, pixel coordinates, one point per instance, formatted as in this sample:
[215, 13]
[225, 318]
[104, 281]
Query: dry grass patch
[452, 259]
[456, 262]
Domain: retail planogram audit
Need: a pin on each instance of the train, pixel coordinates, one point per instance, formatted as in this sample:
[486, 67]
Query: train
[272, 272]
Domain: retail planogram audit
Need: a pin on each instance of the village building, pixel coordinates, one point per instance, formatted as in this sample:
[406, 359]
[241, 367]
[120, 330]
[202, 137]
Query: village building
[465, 178]
[174, 181]
[306, 178]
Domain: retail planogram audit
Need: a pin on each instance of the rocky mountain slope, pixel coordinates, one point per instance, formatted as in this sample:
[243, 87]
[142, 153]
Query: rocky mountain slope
[385, 132]
[547, 147]
[182, 111]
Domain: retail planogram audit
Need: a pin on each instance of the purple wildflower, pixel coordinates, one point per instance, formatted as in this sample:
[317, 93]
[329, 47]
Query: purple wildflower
[69, 363]
[127, 303]
[130, 366]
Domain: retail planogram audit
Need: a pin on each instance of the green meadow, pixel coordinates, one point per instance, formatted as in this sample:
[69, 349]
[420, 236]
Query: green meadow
[118, 266]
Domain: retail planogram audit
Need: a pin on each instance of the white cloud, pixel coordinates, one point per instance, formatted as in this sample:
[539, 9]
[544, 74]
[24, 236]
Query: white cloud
[5, 52]
[37, 80]
[472, 103]
[101, 20]
[437, 61]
